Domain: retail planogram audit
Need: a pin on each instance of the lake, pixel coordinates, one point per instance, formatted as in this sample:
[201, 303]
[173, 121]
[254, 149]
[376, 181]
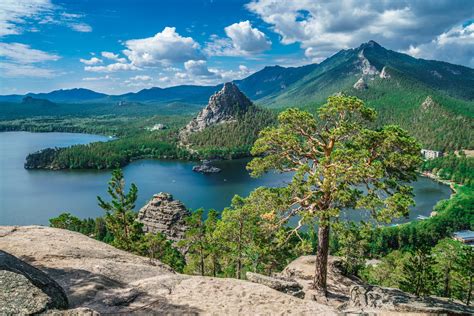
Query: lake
[33, 196]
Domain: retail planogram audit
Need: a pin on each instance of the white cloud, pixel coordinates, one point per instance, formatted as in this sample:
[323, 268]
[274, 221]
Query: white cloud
[14, 13]
[81, 27]
[111, 68]
[165, 47]
[92, 61]
[22, 70]
[198, 68]
[106, 77]
[24, 54]
[18, 16]
[456, 46]
[141, 78]
[112, 56]
[242, 39]
[324, 27]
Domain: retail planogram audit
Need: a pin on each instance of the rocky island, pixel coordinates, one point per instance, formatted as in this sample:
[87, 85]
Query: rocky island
[206, 167]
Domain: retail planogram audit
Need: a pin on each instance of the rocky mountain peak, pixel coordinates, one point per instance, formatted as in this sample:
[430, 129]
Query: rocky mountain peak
[224, 106]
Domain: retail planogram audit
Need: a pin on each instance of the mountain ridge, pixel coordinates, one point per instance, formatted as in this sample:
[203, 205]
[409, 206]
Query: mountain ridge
[279, 86]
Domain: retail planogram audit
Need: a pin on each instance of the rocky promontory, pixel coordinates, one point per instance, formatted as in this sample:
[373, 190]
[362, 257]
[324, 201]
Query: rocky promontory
[163, 214]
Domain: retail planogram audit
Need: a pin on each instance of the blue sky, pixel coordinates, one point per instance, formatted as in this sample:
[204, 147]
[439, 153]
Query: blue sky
[117, 46]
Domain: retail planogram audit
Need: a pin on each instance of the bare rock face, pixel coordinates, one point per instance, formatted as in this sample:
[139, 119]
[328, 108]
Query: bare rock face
[366, 68]
[384, 73]
[165, 215]
[360, 85]
[27, 290]
[99, 278]
[374, 298]
[286, 286]
[223, 107]
[428, 103]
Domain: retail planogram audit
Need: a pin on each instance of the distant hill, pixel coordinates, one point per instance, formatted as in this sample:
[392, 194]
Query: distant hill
[395, 84]
[28, 100]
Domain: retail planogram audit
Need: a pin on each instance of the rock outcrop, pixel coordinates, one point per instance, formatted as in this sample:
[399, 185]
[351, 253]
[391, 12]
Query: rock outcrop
[281, 285]
[352, 296]
[27, 290]
[370, 299]
[428, 103]
[384, 73]
[165, 215]
[360, 84]
[97, 276]
[206, 167]
[223, 107]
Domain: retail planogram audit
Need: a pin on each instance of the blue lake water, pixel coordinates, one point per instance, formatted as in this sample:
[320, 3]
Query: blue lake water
[33, 196]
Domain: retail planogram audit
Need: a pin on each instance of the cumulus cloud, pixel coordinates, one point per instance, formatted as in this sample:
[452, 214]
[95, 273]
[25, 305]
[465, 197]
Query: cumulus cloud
[106, 77]
[111, 68]
[456, 46]
[165, 47]
[242, 39]
[324, 27]
[112, 56]
[198, 68]
[92, 61]
[17, 17]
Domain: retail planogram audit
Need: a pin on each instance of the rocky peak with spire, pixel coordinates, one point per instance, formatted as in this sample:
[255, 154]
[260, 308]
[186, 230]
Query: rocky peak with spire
[224, 106]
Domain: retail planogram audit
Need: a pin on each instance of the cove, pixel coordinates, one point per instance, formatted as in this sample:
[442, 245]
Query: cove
[33, 196]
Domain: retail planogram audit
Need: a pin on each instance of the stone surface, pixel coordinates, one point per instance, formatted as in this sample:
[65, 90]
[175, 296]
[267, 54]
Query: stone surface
[360, 84]
[302, 270]
[165, 215]
[384, 73]
[428, 103]
[369, 298]
[285, 286]
[222, 107]
[98, 277]
[24, 289]
[206, 167]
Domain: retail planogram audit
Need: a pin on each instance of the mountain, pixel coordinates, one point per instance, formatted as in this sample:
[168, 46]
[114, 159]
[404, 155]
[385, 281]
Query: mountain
[374, 63]
[76, 95]
[278, 86]
[182, 94]
[227, 126]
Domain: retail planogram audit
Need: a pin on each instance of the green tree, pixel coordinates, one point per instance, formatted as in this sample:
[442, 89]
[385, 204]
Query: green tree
[455, 267]
[352, 243]
[195, 241]
[332, 156]
[213, 244]
[157, 247]
[418, 275]
[66, 221]
[119, 216]
[237, 231]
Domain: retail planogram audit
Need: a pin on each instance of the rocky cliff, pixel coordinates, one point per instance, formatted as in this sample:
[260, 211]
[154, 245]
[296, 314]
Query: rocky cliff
[165, 215]
[224, 106]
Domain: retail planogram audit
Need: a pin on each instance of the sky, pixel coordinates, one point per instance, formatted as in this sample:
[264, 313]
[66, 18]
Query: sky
[118, 46]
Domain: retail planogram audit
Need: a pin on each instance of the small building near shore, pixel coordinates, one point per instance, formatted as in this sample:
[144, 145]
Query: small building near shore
[431, 154]
[464, 236]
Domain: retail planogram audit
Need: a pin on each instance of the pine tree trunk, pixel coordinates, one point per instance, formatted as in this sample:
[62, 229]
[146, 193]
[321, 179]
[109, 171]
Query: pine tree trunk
[468, 300]
[320, 275]
[446, 283]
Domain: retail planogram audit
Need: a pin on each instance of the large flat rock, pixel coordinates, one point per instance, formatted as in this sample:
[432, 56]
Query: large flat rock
[100, 277]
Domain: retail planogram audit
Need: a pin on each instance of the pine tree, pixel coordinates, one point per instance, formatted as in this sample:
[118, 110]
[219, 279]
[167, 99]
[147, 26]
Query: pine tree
[330, 157]
[119, 216]
[418, 275]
